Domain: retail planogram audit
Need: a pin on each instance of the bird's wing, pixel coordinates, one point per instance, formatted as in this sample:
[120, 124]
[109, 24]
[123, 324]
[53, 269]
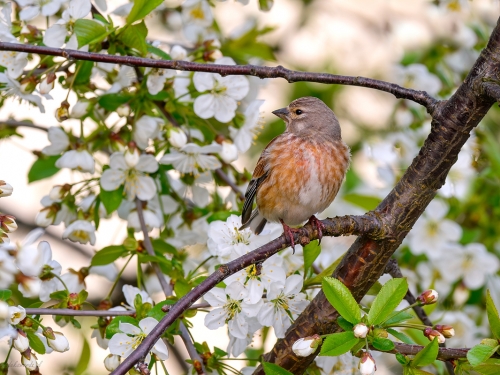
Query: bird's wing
[259, 175]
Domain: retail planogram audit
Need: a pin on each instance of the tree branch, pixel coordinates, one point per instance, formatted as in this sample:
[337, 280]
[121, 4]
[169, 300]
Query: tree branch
[420, 97]
[167, 289]
[369, 224]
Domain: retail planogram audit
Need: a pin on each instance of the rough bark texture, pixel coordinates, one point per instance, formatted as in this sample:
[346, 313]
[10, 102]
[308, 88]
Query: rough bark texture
[366, 260]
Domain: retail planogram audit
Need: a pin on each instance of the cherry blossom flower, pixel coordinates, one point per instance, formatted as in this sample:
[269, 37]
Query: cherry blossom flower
[231, 309]
[16, 314]
[147, 127]
[229, 152]
[130, 292]
[131, 172]
[13, 88]
[432, 232]
[81, 231]
[15, 62]
[177, 137]
[197, 190]
[56, 340]
[192, 157]
[5, 189]
[224, 92]
[367, 364]
[59, 141]
[32, 8]
[306, 346]
[236, 345]
[21, 342]
[77, 159]
[126, 75]
[283, 302]
[197, 12]
[244, 136]
[123, 344]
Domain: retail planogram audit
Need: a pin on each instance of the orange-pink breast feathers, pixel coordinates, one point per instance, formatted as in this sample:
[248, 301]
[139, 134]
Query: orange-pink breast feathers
[300, 171]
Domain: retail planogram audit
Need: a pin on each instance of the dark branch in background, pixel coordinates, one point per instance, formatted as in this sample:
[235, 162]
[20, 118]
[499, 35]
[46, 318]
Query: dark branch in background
[369, 224]
[420, 97]
[167, 289]
[393, 269]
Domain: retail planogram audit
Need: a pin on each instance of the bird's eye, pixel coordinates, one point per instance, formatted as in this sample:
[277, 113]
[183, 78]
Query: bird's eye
[298, 112]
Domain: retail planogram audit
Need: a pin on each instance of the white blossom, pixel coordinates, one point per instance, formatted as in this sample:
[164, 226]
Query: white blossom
[21, 342]
[59, 343]
[15, 62]
[146, 128]
[16, 314]
[5, 189]
[197, 12]
[77, 159]
[223, 94]
[59, 141]
[231, 309]
[283, 301]
[244, 136]
[177, 137]
[33, 8]
[111, 362]
[81, 231]
[125, 77]
[132, 175]
[13, 88]
[123, 344]
[229, 152]
[191, 157]
[197, 190]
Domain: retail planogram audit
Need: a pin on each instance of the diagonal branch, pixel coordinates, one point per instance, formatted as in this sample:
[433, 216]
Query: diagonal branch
[420, 97]
[370, 225]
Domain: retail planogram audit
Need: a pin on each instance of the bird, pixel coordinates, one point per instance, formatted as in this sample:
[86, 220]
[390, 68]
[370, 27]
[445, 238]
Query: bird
[299, 172]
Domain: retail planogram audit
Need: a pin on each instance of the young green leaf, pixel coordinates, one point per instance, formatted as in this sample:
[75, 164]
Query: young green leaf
[112, 101]
[427, 355]
[83, 362]
[391, 294]
[43, 167]
[342, 300]
[344, 324]
[35, 343]
[400, 336]
[480, 353]
[89, 32]
[114, 326]
[141, 9]
[493, 317]
[135, 37]
[338, 343]
[274, 369]
[311, 252]
[5, 294]
[111, 199]
[383, 344]
[399, 316]
[490, 368]
[108, 255]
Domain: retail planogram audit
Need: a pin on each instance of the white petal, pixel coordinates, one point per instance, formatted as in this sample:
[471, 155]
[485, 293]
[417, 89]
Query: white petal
[204, 106]
[238, 327]
[204, 81]
[112, 179]
[79, 8]
[147, 163]
[117, 161]
[147, 324]
[225, 108]
[55, 36]
[146, 188]
[129, 328]
[237, 86]
[293, 285]
[236, 291]
[216, 297]
[215, 319]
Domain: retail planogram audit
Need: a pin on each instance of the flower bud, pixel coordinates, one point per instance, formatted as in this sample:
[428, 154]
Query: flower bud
[131, 157]
[62, 113]
[47, 83]
[56, 340]
[306, 346]
[178, 53]
[446, 330]
[45, 217]
[360, 330]
[5, 189]
[367, 364]
[80, 109]
[177, 138]
[428, 297]
[229, 152]
[28, 360]
[111, 362]
[8, 223]
[21, 343]
[431, 334]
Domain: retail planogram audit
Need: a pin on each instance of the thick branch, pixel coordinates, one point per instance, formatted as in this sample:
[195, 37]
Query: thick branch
[369, 224]
[366, 260]
[420, 97]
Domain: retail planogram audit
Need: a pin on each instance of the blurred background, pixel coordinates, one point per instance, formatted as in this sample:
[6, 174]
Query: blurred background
[426, 45]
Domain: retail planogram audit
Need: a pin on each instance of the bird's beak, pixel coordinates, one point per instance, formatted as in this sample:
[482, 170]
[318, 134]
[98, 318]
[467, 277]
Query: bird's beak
[282, 113]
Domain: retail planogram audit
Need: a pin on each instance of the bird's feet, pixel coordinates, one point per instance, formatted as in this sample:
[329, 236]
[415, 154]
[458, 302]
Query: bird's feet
[289, 233]
[316, 223]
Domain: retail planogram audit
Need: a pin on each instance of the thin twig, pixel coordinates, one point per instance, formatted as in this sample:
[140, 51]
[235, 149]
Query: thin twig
[370, 224]
[167, 289]
[420, 97]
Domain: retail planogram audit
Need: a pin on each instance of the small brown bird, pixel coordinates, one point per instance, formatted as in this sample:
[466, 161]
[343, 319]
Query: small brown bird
[299, 173]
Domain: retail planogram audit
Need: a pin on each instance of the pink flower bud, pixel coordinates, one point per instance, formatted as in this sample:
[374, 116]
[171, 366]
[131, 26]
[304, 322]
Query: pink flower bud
[367, 364]
[446, 330]
[428, 297]
[431, 334]
[361, 330]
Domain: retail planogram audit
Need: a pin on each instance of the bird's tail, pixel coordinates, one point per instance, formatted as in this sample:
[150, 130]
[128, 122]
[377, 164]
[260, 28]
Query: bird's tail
[256, 222]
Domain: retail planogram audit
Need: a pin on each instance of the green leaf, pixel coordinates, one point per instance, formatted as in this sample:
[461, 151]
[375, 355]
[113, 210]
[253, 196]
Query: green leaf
[480, 353]
[35, 343]
[108, 255]
[111, 199]
[311, 252]
[43, 167]
[401, 336]
[266, 5]
[181, 288]
[162, 247]
[114, 326]
[83, 362]
[342, 300]
[363, 201]
[112, 101]
[325, 273]
[274, 369]
[84, 69]
[89, 32]
[493, 317]
[158, 52]
[374, 289]
[491, 368]
[141, 9]
[135, 37]
[383, 344]
[399, 316]
[338, 343]
[156, 312]
[391, 294]
[344, 324]
[427, 355]
[60, 294]
[5, 294]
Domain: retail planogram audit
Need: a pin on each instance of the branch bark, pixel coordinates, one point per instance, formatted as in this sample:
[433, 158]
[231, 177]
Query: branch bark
[420, 97]
[364, 263]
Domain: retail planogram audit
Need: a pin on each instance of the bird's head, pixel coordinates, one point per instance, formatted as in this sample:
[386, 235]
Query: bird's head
[308, 117]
